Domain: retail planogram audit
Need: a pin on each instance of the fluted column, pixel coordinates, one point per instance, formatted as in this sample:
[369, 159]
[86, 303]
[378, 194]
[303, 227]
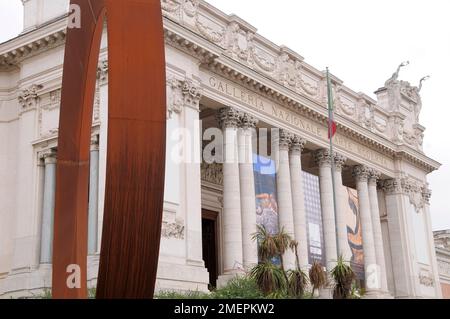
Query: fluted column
[93, 197]
[377, 234]
[284, 193]
[48, 208]
[342, 236]
[247, 184]
[298, 199]
[323, 159]
[231, 214]
[361, 174]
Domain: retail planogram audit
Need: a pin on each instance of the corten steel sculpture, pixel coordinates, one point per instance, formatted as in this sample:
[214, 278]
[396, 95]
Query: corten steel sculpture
[136, 149]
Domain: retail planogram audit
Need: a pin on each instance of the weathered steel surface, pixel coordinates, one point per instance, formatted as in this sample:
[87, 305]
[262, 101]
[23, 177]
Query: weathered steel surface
[136, 149]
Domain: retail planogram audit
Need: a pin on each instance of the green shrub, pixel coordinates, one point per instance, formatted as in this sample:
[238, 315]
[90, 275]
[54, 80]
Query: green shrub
[167, 294]
[239, 288]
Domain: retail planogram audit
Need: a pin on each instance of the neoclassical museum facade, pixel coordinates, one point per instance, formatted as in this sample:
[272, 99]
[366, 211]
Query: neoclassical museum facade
[270, 108]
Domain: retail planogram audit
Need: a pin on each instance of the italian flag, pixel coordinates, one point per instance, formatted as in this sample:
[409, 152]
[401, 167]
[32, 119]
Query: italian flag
[332, 127]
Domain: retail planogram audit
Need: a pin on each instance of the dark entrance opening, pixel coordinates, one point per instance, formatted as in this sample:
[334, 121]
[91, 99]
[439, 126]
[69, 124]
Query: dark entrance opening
[209, 239]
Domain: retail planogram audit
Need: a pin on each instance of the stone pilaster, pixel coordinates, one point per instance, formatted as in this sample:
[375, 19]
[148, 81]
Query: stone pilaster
[361, 174]
[396, 201]
[284, 192]
[191, 94]
[374, 176]
[298, 199]
[48, 208]
[93, 197]
[323, 159]
[247, 184]
[229, 119]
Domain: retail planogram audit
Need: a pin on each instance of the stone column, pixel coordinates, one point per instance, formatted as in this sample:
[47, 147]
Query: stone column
[248, 197]
[48, 208]
[343, 246]
[231, 214]
[298, 199]
[323, 158]
[93, 197]
[377, 234]
[361, 174]
[284, 193]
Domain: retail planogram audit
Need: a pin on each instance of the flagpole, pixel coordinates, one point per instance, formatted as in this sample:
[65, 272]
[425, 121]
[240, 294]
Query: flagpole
[330, 135]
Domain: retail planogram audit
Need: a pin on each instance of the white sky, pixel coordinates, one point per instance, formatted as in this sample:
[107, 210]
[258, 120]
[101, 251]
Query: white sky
[362, 42]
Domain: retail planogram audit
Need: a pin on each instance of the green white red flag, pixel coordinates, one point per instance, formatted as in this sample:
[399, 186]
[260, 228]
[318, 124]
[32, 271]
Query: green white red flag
[332, 127]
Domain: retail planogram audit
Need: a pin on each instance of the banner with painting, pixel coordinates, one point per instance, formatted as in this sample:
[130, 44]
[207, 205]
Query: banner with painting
[316, 245]
[354, 233]
[266, 195]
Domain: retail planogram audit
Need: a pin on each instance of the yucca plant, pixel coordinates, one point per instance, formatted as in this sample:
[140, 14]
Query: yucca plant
[298, 279]
[343, 276]
[317, 276]
[283, 243]
[297, 283]
[267, 244]
[269, 277]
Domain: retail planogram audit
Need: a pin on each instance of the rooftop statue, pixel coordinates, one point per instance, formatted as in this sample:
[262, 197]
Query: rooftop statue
[394, 76]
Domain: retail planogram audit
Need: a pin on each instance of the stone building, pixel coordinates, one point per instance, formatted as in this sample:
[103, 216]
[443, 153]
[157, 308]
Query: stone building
[223, 74]
[442, 243]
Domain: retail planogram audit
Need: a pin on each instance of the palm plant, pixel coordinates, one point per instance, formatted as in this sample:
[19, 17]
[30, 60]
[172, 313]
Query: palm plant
[343, 276]
[267, 245]
[283, 242]
[298, 280]
[269, 277]
[317, 276]
[297, 283]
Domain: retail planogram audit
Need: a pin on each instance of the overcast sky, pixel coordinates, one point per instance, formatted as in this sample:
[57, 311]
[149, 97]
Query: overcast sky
[362, 42]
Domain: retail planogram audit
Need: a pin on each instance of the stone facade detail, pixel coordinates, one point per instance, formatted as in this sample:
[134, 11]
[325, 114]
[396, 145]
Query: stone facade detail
[339, 161]
[361, 173]
[212, 173]
[248, 121]
[29, 97]
[297, 144]
[284, 139]
[182, 93]
[172, 230]
[418, 193]
[426, 279]
[102, 72]
[229, 117]
[322, 157]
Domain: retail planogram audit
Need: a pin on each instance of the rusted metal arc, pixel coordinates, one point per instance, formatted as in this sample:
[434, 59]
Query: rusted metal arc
[136, 149]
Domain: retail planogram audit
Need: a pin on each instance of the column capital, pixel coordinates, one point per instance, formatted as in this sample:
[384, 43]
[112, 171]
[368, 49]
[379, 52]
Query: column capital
[248, 121]
[228, 117]
[192, 94]
[284, 139]
[374, 176]
[391, 186]
[361, 173]
[339, 161]
[297, 144]
[322, 157]
[48, 156]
